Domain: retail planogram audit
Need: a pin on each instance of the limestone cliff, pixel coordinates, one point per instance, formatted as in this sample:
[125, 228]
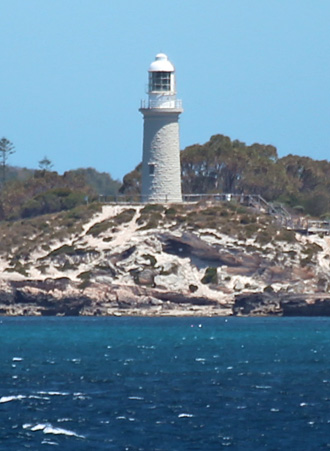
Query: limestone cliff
[188, 259]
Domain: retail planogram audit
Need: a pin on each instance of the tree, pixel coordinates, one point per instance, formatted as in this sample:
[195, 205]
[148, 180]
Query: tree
[132, 182]
[6, 149]
[102, 182]
[225, 166]
[222, 165]
[45, 164]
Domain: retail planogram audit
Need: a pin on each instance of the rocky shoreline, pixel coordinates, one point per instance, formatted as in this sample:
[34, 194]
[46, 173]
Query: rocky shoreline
[62, 297]
[279, 304]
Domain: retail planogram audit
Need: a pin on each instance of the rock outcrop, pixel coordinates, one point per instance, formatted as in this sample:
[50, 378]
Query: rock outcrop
[279, 304]
[64, 298]
[160, 260]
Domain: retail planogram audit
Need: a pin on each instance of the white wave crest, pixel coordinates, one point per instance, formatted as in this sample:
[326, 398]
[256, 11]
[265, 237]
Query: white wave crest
[49, 442]
[38, 397]
[48, 428]
[53, 393]
[51, 430]
[38, 427]
[11, 398]
[185, 415]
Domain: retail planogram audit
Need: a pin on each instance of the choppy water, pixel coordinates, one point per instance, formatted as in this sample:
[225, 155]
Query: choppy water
[165, 384]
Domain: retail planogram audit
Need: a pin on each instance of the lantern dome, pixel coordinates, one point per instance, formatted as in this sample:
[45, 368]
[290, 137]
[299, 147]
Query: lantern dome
[161, 64]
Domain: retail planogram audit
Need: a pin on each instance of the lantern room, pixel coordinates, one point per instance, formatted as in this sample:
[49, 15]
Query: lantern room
[161, 75]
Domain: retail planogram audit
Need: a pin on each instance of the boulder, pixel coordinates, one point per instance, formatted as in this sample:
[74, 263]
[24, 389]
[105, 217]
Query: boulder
[257, 304]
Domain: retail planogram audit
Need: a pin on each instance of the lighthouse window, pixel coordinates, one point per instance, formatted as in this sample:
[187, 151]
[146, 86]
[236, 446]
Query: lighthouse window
[160, 81]
[151, 169]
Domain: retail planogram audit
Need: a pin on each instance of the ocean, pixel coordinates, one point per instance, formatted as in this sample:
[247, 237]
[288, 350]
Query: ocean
[165, 383]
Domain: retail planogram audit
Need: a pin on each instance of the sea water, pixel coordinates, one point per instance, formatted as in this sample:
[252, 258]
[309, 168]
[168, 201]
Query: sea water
[165, 383]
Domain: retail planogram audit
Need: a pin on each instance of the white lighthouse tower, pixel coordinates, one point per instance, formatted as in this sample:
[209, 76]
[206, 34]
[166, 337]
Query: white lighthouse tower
[161, 174]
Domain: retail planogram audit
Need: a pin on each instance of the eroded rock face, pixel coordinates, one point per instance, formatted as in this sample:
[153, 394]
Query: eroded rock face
[200, 252]
[64, 298]
[257, 304]
[49, 297]
[265, 304]
[306, 306]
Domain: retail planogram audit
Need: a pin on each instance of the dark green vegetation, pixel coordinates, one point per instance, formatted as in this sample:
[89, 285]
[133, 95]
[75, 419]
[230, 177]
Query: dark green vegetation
[210, 276]
[218, 166]
[225, 166]
[100, 227]
[28, 193]
[101, 182]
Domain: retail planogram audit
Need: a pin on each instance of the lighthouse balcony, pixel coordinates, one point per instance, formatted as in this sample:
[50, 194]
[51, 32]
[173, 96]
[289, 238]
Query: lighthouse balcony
[161, 103]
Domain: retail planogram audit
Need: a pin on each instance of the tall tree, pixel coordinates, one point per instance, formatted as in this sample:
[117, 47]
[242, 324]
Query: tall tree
[6, 149]
[45, 164]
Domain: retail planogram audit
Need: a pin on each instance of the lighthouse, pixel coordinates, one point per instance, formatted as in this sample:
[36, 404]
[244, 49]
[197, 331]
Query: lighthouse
[161, 174]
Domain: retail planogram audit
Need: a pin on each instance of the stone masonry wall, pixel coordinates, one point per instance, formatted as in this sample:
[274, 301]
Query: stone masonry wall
[161, 150]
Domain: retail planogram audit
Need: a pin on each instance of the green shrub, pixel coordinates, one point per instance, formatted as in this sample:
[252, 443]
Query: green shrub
[42, 268]
[66, 267]
[229, 228]
[72, 200]
[247, 219]
[210, 276]
[19, 268]
[86, 275]
[306, 261]
[85, 279]
[172, 270]
[151, 208]
[170, 213]
[286, 235]
[124, 216]
[151, 258]
[264, 237]
[292, 254]
[100, 227]
[51, 201]
[151, 224]
[311, 250]
[62, 250]
[149, 220]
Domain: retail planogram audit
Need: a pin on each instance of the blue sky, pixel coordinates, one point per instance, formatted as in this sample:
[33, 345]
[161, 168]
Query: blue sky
[73, 73]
